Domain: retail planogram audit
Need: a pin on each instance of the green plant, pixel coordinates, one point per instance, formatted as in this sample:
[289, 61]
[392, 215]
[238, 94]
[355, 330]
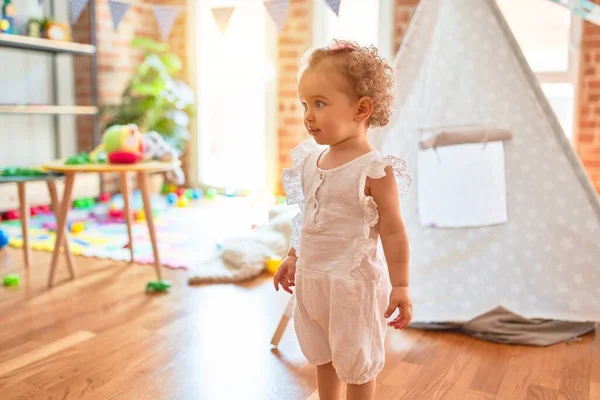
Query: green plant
[154, 100]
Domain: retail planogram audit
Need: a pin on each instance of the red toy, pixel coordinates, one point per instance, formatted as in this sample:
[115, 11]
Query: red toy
[13, 215]
[180, 191]
[104, 197]
[34, 211]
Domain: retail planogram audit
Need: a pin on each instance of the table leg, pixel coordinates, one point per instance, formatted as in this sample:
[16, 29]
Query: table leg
[24, 210]
[55, 203]
[126, 193]
[61, 223]
[142, 179]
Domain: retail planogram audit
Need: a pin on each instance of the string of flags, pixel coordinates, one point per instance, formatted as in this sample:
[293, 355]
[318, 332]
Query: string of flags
[165, 15]
[582, 8]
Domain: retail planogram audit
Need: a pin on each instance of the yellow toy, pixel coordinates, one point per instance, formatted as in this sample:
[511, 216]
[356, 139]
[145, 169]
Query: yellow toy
[77, 227]
[273, 264]
[140, 215]
[182, 201]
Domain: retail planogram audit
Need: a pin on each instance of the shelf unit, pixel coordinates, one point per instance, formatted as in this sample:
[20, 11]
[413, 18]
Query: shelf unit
[55, 48]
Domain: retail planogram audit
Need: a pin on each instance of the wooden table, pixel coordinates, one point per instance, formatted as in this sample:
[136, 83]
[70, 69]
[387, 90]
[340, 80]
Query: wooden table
[21, 182]
[142, 170]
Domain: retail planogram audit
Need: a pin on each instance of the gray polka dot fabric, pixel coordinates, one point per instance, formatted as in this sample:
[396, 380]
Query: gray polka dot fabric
[459, 64]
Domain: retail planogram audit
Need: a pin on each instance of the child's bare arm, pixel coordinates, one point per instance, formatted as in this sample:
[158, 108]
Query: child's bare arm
[391, 227]
[395, 246]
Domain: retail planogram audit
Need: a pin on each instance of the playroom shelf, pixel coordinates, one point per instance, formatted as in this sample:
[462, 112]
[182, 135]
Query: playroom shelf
[45, 45]
[49, 110]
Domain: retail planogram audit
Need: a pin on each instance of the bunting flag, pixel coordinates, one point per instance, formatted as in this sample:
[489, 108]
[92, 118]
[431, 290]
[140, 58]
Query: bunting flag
[118, 9]
[334, 5]
[222, 17]
[77, 7]
[165, 17]
[278, 11]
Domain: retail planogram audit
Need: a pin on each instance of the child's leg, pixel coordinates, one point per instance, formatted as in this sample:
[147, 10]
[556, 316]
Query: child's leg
[330, 386]
[365, 391]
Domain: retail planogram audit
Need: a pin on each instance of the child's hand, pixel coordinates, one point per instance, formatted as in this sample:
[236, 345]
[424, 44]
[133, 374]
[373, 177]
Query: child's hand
[399, 299]
[286, 274]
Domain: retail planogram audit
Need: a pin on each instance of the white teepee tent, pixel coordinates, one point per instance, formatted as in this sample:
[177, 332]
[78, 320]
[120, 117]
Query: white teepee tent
[527, 236]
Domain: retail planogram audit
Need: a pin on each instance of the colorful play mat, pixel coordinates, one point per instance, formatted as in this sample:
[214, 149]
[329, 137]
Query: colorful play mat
[187, 236]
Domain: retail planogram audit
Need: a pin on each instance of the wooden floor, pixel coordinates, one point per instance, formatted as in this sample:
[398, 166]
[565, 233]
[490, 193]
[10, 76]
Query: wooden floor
[102, 337]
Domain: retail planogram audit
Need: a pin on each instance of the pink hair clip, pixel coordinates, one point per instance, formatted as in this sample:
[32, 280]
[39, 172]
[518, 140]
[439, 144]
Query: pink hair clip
[337, 46]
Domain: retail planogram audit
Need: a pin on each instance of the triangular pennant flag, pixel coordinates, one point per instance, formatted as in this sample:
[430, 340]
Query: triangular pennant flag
[118, 10]
[335, 5]
[77, 7]
[165, 17]
[278, 11]
[222, 17]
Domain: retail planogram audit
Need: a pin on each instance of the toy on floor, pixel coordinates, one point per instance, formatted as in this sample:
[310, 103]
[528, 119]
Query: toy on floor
[3, 239]
[212, 193]
[13, 214]
[158, 286]
[11, 280]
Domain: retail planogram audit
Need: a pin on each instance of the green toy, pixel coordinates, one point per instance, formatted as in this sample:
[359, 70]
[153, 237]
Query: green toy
[11, 280]
[17, 171]
[212, 193]
[158, 286]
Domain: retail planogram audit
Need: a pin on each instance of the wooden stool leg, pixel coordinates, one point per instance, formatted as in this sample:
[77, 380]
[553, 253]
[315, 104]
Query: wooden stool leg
[126, 193]
[61, 223]
[142, 179]
[24, 210]
[55, 203]
[285, 318]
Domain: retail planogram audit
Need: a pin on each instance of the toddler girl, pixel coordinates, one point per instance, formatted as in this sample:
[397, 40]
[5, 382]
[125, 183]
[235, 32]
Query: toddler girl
[349, 198]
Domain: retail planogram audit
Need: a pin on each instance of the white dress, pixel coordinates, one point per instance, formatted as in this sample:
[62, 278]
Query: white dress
[342, 282]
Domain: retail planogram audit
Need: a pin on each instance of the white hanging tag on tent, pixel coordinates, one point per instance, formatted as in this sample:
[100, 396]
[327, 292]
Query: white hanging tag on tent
[165, 18]
[222, 16]
[334, 5]
[278, 11]
[77, 7]
[462, 185]
[118, 9]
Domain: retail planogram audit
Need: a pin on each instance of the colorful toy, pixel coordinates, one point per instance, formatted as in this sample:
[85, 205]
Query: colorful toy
[197, 194]
[182, 201]
[172, 198]
[273, 264]
[156, 148]
[3, 239]
[211, 193]
[189, 193]
[14, 214]
[104, 197]
[139, 215]
[171, 188]
[123, 144]
[180, 192]
[57, 31]
[230, 192]
[18, 171]
[77, 227]
[34, 28]
[7, 19]
[11, 280]
[158, 286]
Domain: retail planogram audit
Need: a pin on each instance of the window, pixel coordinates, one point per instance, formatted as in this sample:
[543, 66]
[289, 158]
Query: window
[368, 22]
[236, 115]
[543, 31]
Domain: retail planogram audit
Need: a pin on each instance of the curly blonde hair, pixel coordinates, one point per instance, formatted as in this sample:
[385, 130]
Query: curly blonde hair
[366, 73]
